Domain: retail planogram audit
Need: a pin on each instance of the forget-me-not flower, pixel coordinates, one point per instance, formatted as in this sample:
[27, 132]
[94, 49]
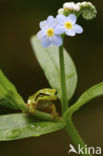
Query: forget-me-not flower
[68, 25]
[48, 34]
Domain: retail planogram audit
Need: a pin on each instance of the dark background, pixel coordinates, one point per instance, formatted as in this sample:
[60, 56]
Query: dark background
[19, 20]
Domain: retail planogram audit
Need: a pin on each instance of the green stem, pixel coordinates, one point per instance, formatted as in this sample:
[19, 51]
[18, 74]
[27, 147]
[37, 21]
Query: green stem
[43, 115]
[46, 116]
[75, 137]
[63, 80]
[70, 128]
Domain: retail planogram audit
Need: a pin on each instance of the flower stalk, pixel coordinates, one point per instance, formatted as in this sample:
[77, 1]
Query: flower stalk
[64, 101]
[70, 128]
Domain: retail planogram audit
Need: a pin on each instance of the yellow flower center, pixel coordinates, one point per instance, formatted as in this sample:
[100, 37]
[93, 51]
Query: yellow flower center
[66, 9]
[68, 25]
[50, 32]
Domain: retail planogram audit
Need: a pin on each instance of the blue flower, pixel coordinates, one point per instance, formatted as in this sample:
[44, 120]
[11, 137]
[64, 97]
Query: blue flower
[48, 33]
[68, 25]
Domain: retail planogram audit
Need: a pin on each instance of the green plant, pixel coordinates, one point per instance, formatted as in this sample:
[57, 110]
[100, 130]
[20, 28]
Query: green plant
[60, 72]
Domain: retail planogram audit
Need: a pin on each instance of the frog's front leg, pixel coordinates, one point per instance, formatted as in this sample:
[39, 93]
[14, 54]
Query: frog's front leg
[32, 108]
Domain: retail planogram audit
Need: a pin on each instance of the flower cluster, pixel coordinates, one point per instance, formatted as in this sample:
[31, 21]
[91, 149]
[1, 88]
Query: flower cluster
[87, 9]
[71, 6]
[53, 28]
[65, 23]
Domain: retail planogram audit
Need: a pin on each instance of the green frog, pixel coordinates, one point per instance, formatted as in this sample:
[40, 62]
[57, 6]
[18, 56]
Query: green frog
[43, 100]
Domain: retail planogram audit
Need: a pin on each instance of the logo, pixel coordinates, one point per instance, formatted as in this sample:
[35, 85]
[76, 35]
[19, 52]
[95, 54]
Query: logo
[85, 150]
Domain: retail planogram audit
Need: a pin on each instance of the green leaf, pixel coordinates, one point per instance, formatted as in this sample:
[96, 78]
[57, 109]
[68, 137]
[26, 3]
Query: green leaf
[91, 93]
[49, 61]
[17, 126]
[94, 91]
[8, 94]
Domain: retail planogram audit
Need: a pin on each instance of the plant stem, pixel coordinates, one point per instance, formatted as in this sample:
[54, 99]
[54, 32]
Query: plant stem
[63, 80]
[46, 116]
[43, 115]
[75, 137]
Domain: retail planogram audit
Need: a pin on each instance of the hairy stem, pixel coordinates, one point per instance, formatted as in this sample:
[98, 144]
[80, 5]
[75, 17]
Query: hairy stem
[75, 137]
[63, 80]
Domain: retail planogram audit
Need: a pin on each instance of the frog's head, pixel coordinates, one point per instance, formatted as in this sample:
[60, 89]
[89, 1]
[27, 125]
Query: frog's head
[43, 95]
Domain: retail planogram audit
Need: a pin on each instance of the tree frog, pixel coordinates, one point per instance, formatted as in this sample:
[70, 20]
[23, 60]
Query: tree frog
[43, 101]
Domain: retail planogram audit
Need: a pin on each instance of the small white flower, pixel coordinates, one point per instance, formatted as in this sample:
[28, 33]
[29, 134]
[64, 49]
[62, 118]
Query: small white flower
[61, 11]
[78, 4]
[77, 7]
[69, 6]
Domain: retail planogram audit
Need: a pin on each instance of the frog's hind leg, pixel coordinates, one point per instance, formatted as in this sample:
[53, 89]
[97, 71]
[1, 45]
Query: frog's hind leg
[51, 110]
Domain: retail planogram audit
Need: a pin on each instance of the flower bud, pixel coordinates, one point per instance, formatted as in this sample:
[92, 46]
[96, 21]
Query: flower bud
[61, 11]
[76, 7]
[83, 3]
[69, 6]
[88, 10]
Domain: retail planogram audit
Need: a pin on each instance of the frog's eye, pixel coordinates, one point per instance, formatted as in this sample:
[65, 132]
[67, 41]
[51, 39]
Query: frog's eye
[43, 94]
[39, 95]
